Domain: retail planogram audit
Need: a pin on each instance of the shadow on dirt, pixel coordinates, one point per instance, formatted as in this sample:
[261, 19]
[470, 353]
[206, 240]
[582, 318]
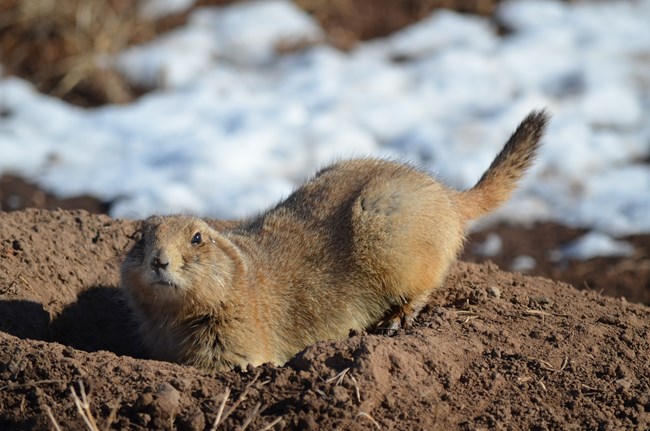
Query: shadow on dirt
[98, 320]
[24, 319]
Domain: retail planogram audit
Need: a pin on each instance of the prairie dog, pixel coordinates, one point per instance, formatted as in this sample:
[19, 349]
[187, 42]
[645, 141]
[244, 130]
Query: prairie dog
[363, 243]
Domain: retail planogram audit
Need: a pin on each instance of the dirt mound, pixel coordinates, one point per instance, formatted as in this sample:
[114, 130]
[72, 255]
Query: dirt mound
[627, 276]
[493, 350]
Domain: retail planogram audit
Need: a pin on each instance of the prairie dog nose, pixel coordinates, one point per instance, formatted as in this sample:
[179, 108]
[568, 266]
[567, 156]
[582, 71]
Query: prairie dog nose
[160, 261]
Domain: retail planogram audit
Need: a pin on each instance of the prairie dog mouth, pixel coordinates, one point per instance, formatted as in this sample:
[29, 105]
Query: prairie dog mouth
[162, 280]
[164, 283]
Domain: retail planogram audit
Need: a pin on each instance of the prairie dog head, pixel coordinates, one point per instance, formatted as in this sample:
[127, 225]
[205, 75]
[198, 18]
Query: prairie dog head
[180, 264]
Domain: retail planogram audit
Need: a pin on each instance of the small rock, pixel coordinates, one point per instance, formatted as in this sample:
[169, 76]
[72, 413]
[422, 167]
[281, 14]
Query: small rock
[168, 399]
[538, 299]
[144, 400]
[165, 406]
[494, 292]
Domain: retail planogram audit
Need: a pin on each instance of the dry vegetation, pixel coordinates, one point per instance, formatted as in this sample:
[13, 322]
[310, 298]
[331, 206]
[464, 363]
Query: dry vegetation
[62, 47]
[348, 21]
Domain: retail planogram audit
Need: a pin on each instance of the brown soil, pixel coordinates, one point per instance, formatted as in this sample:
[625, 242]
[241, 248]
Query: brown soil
[620, 277]
[347, 22]
[493, 350]
[16, 193]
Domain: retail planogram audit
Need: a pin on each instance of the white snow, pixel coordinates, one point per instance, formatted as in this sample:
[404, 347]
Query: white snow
[523, 264]
[153, 9]
[591, 245]
[492, 246]
[243, 35]
[234, 125]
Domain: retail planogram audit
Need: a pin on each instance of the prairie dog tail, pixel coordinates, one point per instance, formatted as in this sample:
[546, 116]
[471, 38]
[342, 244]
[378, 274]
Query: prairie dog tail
[499, 181]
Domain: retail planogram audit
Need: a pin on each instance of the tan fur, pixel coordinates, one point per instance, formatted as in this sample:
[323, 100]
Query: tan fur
[364, 241]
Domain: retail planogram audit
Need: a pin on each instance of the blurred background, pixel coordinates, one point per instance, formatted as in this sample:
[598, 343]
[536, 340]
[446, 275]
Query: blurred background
[220, 108]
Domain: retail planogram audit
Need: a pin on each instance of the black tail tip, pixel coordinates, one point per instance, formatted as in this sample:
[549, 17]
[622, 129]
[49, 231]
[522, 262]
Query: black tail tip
[537, 120]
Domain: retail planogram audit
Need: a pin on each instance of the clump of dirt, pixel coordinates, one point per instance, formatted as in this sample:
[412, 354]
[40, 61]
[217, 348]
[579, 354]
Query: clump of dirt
[492, 350]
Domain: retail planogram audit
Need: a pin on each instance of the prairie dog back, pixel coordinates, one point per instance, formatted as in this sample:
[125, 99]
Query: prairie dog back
[359, 246]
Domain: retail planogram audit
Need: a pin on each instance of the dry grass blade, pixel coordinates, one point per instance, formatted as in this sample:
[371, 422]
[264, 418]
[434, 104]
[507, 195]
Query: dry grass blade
[590, 390]
[468, 318]
[545, 365]
[339, 377]
[356, 389]
[367, 416]
[55, 424]
[113, 414]
[236, 404]
[540, 313]
[531, 312]
[272, 424]
[468, 314]
[83, 407]
[29, 286]
[27, 385]
[251, 416]
[241, 397]
[217, 420]
[565, 362]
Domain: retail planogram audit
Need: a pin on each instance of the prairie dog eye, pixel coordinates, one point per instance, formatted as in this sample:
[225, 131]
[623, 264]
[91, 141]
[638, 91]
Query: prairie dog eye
[196, 239]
